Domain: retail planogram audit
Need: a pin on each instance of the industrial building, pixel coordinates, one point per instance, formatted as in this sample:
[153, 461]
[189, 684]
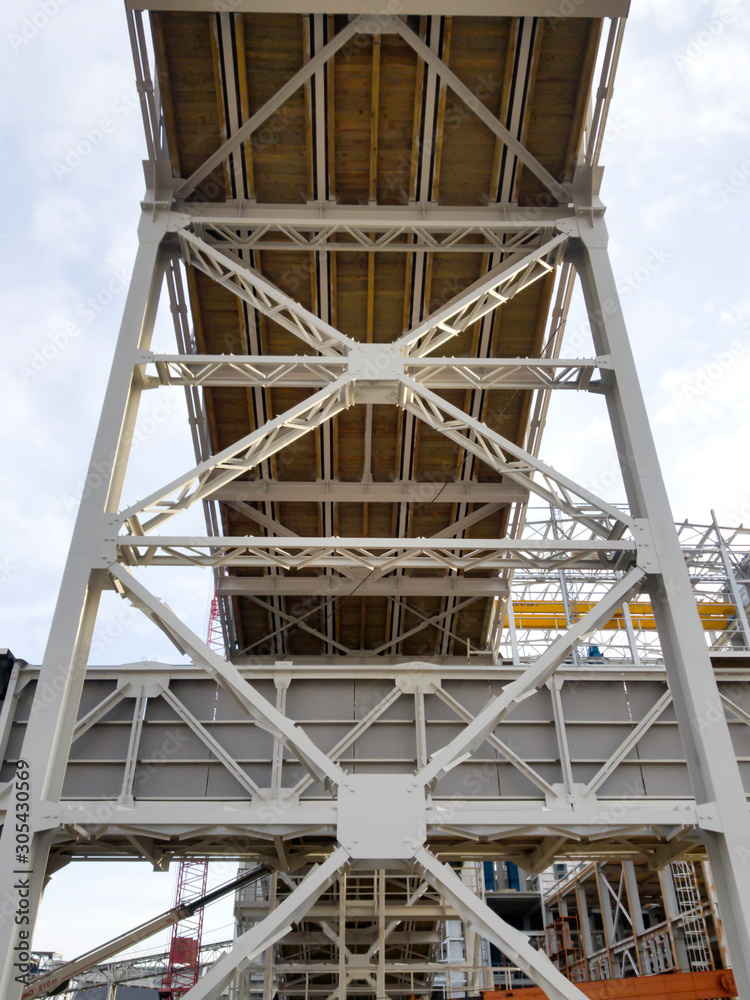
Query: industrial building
[465, 726]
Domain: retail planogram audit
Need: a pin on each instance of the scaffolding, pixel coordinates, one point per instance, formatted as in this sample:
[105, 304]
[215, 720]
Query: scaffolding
[633, 921]
[540, 604]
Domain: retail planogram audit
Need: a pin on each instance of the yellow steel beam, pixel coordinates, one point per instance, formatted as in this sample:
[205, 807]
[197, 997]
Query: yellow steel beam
[551, 615]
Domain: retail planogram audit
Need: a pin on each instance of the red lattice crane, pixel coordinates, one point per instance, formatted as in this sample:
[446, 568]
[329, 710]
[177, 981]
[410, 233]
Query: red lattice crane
[185, 943]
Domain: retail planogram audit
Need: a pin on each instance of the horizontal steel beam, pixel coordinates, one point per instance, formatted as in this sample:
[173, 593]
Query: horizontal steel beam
[370, 545]
[398, 491]
[209, 370]
[335, 586]
[319, 216]
[231, 816]
[341, 237]
[468, 8]
[360, 965]
[391, 668]
[293, 552]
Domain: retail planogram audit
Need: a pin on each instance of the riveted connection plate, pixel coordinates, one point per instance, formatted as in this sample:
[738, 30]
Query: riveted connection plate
[376, 362]
[381, 815]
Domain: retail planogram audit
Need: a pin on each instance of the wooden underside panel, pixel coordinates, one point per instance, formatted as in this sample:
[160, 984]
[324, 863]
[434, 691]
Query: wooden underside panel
[214, 71]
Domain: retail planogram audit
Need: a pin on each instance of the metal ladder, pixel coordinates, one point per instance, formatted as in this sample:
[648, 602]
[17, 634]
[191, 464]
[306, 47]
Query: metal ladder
[693, 921]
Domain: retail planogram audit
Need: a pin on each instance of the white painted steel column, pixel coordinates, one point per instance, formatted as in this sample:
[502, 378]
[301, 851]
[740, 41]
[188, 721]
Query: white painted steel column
[635, 909]
[608, 922]
[710, 755]
[738, 597]
[53, 713]
[584, 922]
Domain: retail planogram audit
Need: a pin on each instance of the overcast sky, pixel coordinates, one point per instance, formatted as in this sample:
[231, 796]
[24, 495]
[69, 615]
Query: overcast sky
[677, 163]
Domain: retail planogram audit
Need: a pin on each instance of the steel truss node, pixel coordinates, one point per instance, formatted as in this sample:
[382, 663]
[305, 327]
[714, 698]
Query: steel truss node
[362, 758]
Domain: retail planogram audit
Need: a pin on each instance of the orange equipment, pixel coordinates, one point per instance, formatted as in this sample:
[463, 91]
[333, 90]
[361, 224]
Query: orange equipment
[672, 986]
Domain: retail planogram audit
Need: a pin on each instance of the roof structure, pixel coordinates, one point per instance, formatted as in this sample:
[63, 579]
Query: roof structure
[373, 195]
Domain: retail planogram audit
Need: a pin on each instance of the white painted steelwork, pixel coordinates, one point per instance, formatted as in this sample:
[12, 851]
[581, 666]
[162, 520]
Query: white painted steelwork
[470, 784]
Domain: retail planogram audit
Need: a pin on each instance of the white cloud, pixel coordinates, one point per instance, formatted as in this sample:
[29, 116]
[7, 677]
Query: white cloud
[64, 222]
[714, 392]
[710, 474]
[664, 15]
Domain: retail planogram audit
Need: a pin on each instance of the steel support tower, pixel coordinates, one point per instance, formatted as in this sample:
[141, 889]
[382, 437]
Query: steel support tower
[379, 218]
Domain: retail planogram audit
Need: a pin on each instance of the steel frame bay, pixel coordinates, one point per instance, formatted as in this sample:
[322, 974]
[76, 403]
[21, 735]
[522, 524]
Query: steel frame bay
[381, 818]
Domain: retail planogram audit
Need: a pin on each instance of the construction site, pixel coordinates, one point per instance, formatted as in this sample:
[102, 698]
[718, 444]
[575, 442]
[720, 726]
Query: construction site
[459, 726]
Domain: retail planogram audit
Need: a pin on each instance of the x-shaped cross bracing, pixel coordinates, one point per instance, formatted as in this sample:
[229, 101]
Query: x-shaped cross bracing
[375, 24]
[475, 913]
[497, 451]
[353, 362]
[322, 766]
[498, 286]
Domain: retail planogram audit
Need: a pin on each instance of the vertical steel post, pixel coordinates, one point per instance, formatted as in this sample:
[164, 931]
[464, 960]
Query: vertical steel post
[711, 759]
[738, 598]
[715, 915]
[53, 713]
[585, 923]
[634, 908]
[629, 629]
[608, 920]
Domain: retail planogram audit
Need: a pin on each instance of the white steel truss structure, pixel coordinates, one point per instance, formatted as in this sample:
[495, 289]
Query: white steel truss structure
[434, 758]
[540, 603]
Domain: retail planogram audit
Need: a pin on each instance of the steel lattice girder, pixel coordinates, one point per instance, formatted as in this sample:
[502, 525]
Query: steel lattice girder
[370, 554]
[311, 372]
[385, 815]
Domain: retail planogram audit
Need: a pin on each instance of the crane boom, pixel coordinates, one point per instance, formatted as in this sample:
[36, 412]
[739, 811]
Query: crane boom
[53, 981]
